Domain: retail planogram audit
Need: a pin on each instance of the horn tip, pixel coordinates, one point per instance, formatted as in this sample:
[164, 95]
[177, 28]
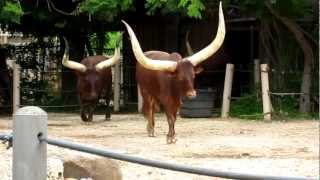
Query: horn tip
[220, 6]
[124, 22]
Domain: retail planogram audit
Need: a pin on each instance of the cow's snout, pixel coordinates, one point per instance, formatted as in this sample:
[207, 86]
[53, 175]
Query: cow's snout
[191, 94]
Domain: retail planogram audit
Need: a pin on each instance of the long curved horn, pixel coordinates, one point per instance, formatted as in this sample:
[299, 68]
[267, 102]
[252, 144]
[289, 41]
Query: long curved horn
[153, 64]
[71, 64]
[188, 46]
[214, 45]
[109, 62]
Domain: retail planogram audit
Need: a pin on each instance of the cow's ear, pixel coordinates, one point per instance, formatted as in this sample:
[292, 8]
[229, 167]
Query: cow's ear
[198, 69]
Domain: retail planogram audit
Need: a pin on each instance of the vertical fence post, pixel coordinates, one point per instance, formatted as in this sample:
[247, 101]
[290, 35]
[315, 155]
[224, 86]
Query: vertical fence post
[140, 100]
[116, 90]
[3, 37]
[16, 86]
[265, 92]
[227, 91]
[29, 155]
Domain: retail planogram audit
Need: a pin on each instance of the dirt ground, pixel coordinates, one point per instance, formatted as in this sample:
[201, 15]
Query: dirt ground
[278, 148]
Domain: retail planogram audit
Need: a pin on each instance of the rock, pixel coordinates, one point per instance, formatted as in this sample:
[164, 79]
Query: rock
[81, 167]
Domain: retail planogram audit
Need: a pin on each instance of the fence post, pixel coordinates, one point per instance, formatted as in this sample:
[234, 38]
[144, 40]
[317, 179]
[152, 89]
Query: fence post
[140, 100]
[3, 37]
[16, 86]
[265, 92]
[29, 155]
[116, 90]
[227, 91]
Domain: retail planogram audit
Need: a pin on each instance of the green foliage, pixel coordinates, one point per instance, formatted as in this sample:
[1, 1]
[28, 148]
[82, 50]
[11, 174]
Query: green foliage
[284, 107]
[287, 107]
[113, 39]
[105, 9]
[296, 10]
[193, 8]
[288, 8]
[248, 107]
[10, 12]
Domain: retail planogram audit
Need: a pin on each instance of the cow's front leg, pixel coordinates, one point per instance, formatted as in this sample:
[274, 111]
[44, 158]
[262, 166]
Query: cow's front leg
[108, 111]
[171, 118]
[171, 136]
[83, 113]
[90, 112]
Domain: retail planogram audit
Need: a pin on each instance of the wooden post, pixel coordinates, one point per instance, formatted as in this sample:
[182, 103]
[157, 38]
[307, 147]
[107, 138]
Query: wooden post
[29, 155]
[256, 72]
[3, 37]
[227, 91]
[265, 92]
[116, 90]
[140, 100]
[16, 87]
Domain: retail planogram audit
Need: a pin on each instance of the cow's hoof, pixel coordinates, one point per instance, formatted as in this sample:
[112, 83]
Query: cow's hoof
[171, 140]
[151, 134]
[150, 131]
[107, 119]
[88, 123]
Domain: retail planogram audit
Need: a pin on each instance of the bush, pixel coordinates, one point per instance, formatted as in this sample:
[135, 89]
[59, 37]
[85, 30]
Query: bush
[247, 107]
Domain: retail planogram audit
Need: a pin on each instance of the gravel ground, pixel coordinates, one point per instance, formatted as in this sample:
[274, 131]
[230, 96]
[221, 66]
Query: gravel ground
[288, 148]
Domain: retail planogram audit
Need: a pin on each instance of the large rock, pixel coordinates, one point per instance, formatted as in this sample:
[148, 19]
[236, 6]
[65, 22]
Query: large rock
[91, 167]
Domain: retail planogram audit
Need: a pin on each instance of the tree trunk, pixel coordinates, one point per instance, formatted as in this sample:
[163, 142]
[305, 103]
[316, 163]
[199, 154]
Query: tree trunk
[304, 106]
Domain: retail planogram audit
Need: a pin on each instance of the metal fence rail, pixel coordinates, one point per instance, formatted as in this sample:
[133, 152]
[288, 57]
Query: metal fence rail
[160, 164]
[153, 163]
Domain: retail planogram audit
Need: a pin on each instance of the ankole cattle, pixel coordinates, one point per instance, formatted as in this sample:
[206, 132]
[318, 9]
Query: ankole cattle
[166, 78]
[94, 80]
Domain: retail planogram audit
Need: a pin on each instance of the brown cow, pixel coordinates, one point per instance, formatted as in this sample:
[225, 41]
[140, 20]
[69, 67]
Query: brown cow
[165, 78]
[94, 80]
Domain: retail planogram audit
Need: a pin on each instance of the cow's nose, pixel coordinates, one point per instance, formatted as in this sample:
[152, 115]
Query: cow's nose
[191, 94]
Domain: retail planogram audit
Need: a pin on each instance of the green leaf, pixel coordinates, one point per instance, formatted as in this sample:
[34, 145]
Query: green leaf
[195, 8]
[11, 12]
[105, 9]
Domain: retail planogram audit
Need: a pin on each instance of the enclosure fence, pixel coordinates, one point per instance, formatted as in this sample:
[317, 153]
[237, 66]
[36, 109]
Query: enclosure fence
[30, 127]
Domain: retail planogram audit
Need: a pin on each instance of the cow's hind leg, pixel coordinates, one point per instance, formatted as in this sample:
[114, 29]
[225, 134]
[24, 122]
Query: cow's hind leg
[148, 111]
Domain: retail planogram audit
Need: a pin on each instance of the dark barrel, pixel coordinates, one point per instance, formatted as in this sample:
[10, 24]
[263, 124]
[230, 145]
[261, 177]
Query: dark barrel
[199, 107]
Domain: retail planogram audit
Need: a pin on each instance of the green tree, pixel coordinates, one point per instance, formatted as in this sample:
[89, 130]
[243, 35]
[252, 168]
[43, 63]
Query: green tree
[79, 20]
[274, 14]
